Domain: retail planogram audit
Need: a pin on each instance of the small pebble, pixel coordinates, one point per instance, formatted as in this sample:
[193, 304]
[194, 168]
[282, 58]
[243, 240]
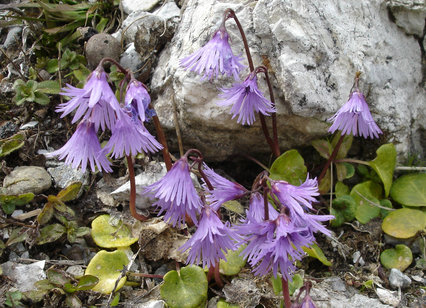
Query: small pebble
[398, 280]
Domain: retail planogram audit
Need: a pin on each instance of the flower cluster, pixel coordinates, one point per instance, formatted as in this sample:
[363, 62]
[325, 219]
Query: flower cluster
[97, 107]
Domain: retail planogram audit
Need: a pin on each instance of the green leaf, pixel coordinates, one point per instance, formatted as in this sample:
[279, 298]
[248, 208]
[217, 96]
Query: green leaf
[115, 300]
[344, 147]
[8, 202]
[323, 147]
[87, 282]
[344, 209]
[404, 223]
[82, 231]
[325, 184]
[223, 304]
[52, 66]
[384, 165]
[108, 236]
[293, 285]
[365, 195]
[46, 213]
[341, 189]
[44, 285]
[11, 144]
[344, 171]
[70, 192]
[234, 262]
[410, 190]
[73, 301]
[107, 267]
[385, 203]
[18, 235]
[57, 277]
[289, 167]
[234, 206]
[49, 87]
[186, 288]
[316, 252]
[50, 234]
[399, 257]
[41, 98]
[13, 299]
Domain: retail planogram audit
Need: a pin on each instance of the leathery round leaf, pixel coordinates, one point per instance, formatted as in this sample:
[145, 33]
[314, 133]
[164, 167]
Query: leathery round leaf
[404, 223]
[399, 257]
[234, 262]
[108, 236]
[107, 266]
[186, 288]
[410, 189]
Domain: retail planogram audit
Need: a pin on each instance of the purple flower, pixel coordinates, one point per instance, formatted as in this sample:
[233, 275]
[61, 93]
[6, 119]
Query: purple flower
[137, 98]
[84, 146]
[246, 99]
[214, 58]
[256, 211]
[275, 245]
[211, 239]
[223, 189]
[355, 118]
[130, 137]
[96, 101]
[295, 197]
[176, 194]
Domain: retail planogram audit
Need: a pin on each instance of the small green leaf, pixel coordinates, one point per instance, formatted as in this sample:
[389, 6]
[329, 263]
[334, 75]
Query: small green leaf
[410, 190]
[404, 223]
[44, 285]
[234, 262]
[186, 288]
[341, 189]
[50, 234]
[234, 206]
[41, 98]
[316, 252]
[69, 288]
[293, 285]
[223, 304]
[87, 282]
[11, 144]
[366, 194]
[49, 87]
[289, 167]
[399, 257]
[344, 209]
[52, 66]
[344, 171]
[46, 214]
[18, 235]
[115, 300]
[107, 267]
[13, 299]
[70, 192]
[108, 236]
[325, 184]
[385, 203]
[323, 147]
[57, 277]
[384, 165]
[82, 231]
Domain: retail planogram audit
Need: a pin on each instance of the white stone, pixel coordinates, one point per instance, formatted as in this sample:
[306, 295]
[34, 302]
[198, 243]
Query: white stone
[398, 280]
[24, 275]
[314, 49]
[131, 59]
[130, 6]
[131, 24]
[357, 258]
[31, 124]
[409, 15]
[168, 10]
[388, 297]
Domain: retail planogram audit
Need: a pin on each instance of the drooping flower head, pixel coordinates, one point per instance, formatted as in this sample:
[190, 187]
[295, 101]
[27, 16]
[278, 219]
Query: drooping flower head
[211, 240]
[130, 137]
[137, 99]
[214, 58]
[296, 198]
[246, 100]
[176, 194]
[96, 101]
[256, 211]
[84, 147]
[223, 189]
[355, 118]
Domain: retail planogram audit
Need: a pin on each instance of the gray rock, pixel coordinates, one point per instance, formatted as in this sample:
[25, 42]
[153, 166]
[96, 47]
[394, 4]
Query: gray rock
[13, 35]
[31, 124]
[130, 6]
[357, 258]
[168, 10]
[102, 45]
[63, 175]
[26, 179]
[337, 284]
[409, 15]
[24, 275]
[131, 59]
[398, 280]
[76, 270]
[132, 23]
[314, 49]
[244, 292]
[387, 297]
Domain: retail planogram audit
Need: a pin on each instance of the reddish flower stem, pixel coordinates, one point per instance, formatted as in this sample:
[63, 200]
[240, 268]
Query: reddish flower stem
[286, 293]
[217, 276]
[273, 143]
[132, 201]
[331, 158]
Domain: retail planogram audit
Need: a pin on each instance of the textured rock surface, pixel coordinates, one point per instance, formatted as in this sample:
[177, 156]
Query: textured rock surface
[27, 179]
[409, 15]
[313, 50]
[129, 6]
[102, 45]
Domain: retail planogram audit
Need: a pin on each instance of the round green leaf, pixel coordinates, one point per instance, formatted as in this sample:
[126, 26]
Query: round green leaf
[344, 171]
[234, 262]
[404, 223]
[107, 235]
[399, 257]
[107, 266]
[289, 167]
[186, 288]
[384, 165]
[410, 189]
[341, 189]
[223, 304]
[365, 195]
[344, 209]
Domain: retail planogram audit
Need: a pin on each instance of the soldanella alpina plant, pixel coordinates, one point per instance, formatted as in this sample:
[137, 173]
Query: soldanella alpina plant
[281, 220]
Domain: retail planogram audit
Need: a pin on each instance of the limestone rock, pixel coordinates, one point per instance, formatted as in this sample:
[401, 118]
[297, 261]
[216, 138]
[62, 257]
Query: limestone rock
[130, 6]
[398, 280]
[313, 49]
[26, 179]
[409, 15]
[64, 174]
[24, 275]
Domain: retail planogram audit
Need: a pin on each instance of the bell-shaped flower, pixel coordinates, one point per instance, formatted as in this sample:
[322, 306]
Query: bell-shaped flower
[137, 99]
